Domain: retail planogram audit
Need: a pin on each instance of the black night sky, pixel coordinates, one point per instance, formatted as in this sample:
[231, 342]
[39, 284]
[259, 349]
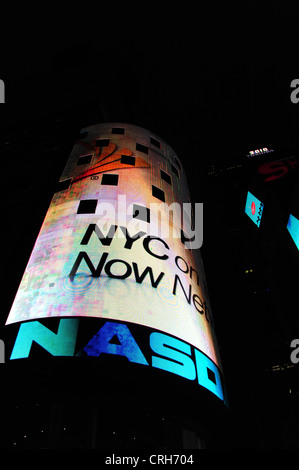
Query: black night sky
[221, 77]
[214, 82]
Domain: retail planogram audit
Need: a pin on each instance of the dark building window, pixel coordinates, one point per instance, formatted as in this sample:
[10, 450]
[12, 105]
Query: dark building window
[84, 159]
[175, 171]
[102, 142]
[128, 160]
[158, 193]
[110, 180]
[155, 142]
[141, 213]
[63, 185]
[141, 148]
[185, 238]
[165, 177]
[118, 130]
[87, 206]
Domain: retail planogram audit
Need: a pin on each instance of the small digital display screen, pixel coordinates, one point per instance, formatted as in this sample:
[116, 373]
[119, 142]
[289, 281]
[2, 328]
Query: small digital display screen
[254, 208]
[293, 229]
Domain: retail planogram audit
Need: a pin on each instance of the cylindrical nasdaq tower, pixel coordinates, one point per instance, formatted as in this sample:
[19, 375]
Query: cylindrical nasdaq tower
[112, 314]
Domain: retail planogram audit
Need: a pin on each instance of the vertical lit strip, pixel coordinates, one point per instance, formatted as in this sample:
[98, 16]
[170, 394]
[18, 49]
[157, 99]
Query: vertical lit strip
[293, 228]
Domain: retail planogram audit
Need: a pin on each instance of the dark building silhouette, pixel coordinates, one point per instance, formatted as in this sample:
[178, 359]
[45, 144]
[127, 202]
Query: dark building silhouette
[258, 275]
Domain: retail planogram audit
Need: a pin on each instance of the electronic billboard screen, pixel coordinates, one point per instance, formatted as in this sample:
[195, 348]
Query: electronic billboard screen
[254, 208]
[113, 247]
[293, 229]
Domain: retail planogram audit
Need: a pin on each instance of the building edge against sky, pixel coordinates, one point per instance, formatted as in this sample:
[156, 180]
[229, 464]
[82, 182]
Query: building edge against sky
[110, 274]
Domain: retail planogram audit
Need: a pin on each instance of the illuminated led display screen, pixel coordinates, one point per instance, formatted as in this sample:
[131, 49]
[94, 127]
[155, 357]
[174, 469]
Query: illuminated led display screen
[110, 249]
[81, 337]
[262, 151]
[254, 208]
[293, 229]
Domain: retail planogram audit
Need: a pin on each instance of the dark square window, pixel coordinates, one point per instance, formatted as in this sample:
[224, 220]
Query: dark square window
[84, 159]
[118, 130]
[211, 375]
[128, 159]
[110, 180]
[158, 193]
[185, 238]
[155, 142]
[87, 206]
[102, 142]
[141, 148]
[63, 185]
[175, 171]
[165, 177]
[141, 213]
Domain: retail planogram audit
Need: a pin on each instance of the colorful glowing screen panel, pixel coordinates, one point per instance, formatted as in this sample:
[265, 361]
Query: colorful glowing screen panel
[293, 229]
[91, 261]
[254, 208]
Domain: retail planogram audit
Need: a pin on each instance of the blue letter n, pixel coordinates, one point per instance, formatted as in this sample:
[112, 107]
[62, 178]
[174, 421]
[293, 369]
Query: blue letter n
[61, 343]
